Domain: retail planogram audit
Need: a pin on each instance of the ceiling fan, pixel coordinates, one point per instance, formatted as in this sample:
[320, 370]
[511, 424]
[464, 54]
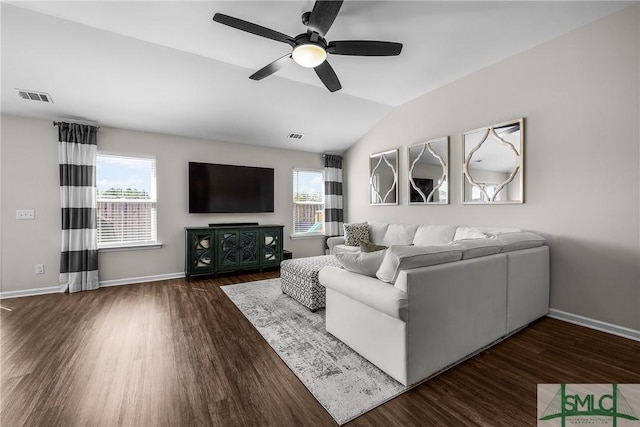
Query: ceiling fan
[310, 49]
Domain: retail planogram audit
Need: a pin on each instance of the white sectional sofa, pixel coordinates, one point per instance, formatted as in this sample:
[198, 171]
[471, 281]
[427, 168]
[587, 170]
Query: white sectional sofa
[436, 296]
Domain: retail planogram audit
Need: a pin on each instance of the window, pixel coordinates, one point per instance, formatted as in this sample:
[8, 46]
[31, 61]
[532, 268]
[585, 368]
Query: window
[478, 196]
[126, 200]
[308, 202]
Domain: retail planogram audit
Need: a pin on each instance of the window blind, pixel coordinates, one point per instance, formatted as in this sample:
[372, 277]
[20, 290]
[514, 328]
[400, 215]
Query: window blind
[126, 200]
[308, 202]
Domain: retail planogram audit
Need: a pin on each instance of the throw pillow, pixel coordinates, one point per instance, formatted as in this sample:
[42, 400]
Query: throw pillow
[365, 263]
[463, 233]
[371, 247]
[355, 233]
[399, 258]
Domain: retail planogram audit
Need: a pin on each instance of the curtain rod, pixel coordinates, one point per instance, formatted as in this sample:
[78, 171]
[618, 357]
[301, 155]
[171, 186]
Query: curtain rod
[78, 122]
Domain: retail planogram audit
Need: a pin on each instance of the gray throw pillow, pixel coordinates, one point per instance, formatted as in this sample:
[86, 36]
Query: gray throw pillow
[371, 247]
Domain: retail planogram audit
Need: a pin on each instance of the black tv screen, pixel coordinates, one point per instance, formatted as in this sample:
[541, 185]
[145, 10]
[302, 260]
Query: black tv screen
[425, 185]
[215, 188]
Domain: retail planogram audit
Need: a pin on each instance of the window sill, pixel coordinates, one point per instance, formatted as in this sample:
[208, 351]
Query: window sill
[134, 247]
[307, 236]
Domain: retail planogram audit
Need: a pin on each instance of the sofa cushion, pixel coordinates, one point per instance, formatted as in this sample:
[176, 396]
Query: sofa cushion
[464, 233]
[520, 240]
[399, 234]
[377, 231]
[405, 257]
[366, 263]
[474, 248]
[434, 234]
[371, 247]
[356, 232]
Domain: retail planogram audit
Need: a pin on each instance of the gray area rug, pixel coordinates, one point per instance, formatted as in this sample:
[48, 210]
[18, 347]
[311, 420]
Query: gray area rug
[345, 383]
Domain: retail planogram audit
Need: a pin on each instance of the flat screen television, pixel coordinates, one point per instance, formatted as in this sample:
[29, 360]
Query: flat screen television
[216, 188]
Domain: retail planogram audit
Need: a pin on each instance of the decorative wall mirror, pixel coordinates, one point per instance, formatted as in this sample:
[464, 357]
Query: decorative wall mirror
[493, 167]
[429, 172]
[383, 178]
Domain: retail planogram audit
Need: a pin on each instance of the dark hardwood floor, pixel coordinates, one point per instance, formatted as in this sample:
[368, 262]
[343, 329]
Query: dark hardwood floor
[179, 353]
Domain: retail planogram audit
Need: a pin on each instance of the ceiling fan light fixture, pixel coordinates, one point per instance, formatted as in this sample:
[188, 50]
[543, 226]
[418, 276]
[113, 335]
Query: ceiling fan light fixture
[309, 55]
[310, 48]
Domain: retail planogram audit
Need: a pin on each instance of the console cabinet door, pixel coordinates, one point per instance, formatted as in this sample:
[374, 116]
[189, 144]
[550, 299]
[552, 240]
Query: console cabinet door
[237, 249]
[271, 250]
[200, 259]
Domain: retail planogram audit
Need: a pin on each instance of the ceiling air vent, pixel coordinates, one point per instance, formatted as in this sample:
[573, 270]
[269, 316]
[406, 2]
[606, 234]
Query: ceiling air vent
[35, 96]
[295, 135]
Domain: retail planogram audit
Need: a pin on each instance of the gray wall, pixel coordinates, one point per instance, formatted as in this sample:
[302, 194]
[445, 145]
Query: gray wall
[29, 177]
[579, 95]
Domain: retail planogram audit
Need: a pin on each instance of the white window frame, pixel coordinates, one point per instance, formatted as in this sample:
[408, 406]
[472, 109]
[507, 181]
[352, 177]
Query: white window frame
[134, 244]
[478, 196]
[303, 235]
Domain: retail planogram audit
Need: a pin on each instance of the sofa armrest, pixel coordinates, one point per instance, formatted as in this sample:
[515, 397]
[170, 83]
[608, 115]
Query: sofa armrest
[334, 241]
[454, 310]
[528, 292]
[367, 290]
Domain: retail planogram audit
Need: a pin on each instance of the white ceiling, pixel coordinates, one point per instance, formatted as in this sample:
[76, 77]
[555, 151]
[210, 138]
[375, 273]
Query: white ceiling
[166, 67]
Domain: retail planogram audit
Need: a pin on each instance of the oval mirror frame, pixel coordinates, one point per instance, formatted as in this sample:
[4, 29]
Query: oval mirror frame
[383, 178]
[429, 172]
[493, 164]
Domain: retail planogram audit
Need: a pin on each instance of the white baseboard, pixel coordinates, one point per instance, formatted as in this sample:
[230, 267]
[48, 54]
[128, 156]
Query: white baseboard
[104, 283]
[30, 292]
[595, 324]
[142, 279]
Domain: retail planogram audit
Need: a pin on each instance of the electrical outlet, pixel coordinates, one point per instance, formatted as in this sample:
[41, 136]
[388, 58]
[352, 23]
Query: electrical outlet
[25, 214]
[39, 268]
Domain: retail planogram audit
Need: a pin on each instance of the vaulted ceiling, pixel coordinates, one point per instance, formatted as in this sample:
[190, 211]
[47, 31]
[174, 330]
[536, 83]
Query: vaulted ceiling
[166, 67]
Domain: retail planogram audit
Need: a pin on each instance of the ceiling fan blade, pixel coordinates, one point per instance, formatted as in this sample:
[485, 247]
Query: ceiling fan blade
[323, 15]
[253, 28]
[328, 76]
[271, 68]
[364, 48]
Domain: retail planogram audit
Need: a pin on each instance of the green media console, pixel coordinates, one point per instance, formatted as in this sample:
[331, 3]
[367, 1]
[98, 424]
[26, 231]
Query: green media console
[212, 250]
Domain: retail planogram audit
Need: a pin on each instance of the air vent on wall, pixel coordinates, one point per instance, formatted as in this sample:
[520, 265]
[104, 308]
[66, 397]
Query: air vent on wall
[35, 96]
[295, 135]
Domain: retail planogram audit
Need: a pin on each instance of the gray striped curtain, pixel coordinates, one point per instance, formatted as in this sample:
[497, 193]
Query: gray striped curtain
[77, 149]
[333, 214]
